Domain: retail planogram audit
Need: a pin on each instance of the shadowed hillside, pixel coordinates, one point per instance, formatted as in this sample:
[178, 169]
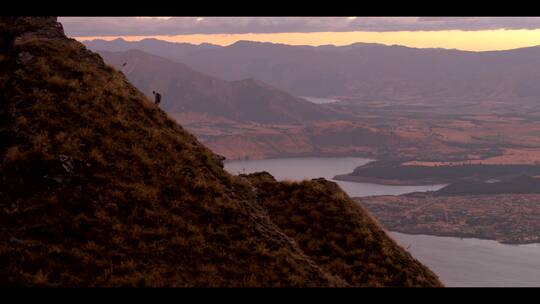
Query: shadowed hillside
[188, 91]
[337, 233]
[101, 188]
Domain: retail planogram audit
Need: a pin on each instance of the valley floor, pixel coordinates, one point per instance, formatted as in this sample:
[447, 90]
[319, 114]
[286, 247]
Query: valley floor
[422, 135]
[507, 218]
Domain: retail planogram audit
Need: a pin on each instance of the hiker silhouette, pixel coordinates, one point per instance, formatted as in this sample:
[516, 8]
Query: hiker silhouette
[157, 97]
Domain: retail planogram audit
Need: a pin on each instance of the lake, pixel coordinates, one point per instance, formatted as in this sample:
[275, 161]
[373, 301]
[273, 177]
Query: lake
[458, 262]
[327, 167]
[319, 100]
[474, 262]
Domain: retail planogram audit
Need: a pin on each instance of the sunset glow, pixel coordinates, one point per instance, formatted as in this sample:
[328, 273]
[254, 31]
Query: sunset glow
[455, 39]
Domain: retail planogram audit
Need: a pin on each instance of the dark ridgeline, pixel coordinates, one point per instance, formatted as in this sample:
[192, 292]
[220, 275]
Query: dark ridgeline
[101, 188]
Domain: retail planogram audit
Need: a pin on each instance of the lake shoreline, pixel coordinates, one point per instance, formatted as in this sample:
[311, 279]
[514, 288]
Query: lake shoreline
[463, 237]
[505, 218]
[389, 182]
[457, 260]
[349, 154]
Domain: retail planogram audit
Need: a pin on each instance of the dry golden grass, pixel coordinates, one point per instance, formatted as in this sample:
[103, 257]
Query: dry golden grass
[339, 234]
[101, 188]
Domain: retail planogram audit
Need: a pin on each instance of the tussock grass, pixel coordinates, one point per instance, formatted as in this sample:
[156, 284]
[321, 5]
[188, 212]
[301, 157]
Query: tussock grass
[102, 188]
[339, 234]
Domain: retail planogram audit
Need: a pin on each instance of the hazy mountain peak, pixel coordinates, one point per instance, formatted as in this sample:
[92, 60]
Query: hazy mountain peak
[186, 90]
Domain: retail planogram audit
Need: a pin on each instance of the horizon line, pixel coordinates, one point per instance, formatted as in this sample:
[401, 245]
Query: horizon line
[161, 38]
[470, 41]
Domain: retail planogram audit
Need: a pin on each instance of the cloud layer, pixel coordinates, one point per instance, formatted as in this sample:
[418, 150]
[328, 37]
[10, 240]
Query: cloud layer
[124, 26]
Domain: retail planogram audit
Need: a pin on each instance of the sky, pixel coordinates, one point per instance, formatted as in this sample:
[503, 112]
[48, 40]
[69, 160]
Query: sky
[464, 33]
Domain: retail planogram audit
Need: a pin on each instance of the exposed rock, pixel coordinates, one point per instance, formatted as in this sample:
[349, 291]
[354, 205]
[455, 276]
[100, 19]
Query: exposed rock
[24, 58]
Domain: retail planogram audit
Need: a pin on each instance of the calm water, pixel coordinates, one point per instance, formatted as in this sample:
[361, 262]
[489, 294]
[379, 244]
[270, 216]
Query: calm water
[457, 262]
[473, 262]
[327, 167]
[318, 100]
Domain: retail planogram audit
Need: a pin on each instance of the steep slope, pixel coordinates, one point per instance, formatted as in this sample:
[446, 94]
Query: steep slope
[188, 91]
[373, 71]
[101, 188]
[337, 233]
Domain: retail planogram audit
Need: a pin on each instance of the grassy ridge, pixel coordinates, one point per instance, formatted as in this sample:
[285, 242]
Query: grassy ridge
[101, 188]
[338, 234]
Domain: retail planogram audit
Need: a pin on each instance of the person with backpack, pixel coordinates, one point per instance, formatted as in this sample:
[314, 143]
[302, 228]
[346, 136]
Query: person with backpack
[157, 98]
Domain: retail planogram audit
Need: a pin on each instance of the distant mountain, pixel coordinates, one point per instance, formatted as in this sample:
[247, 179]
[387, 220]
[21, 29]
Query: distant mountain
[171, 50]
[185, 90]
[100, 188]
[371, 71]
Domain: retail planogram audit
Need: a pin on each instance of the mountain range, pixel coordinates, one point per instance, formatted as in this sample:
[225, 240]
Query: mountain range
[185, 91]
[361, 71]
